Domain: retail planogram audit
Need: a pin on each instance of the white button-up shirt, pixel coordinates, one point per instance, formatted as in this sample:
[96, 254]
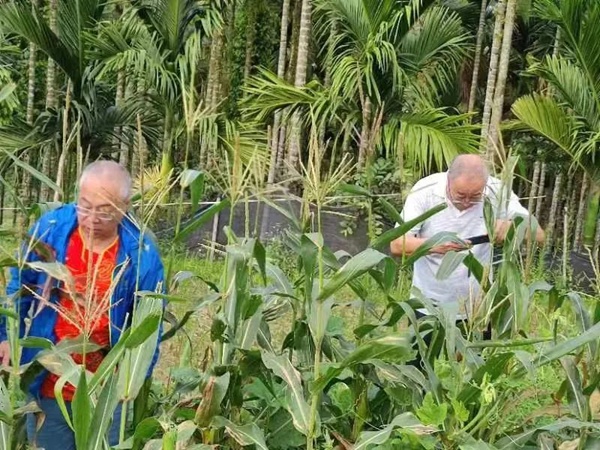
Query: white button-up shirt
[429, 192]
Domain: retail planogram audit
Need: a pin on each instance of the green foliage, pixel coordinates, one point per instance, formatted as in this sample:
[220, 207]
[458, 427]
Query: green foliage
[381, 179]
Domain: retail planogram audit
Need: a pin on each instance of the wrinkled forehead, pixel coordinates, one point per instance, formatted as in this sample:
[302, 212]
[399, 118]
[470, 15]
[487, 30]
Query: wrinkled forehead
[466, 183]
[100, 191]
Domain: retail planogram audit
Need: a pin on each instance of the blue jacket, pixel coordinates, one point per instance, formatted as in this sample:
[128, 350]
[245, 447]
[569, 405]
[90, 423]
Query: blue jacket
[54, 229]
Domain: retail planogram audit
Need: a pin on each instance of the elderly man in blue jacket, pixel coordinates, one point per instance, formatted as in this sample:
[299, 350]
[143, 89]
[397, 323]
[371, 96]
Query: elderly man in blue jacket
[109, 260]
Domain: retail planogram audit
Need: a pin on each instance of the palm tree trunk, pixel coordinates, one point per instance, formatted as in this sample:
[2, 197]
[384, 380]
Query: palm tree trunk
[296, 19]
[556, 197]
[580, 218]
[569, 199]
[212, 88]
[492, 73]
[591, 214]
[125, 144]
[62, 161]
[26, 178]
[119, 95]
[498, 108]
[541, 191]
[364, 134]
[250, 36]
[51, 102]
[477, 58]
[300, 78]
[534, 187]
[138, 157]
[596, 248]
[281, 74]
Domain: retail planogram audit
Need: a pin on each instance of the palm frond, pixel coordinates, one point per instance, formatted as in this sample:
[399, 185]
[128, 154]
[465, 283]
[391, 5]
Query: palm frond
[545, 116]
[30, 25]
[430, 138]
[436, 48]
[573, 88]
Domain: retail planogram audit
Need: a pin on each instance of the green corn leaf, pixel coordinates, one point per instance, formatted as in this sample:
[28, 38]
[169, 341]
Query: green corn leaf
[82, 412]
[404, 228]
[354, 268]
[297, 405]
[194, 180]
[248, 434]
[577, 400]
[391, 211]
[6, 414]
[203, 218]
[405, 421]
[566, 347]
[103, 414]
[353, 189]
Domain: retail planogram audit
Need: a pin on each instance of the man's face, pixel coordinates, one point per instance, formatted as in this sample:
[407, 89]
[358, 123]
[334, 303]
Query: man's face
[465, 191]
[100, 208]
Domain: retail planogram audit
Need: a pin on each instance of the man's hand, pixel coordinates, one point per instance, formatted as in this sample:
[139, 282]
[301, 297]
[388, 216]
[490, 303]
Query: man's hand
[501, 229]
[4, 353]
[448, 247]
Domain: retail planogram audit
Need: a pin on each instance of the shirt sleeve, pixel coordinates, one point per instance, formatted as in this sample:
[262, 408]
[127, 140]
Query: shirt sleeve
[514, 208]
[413, 208]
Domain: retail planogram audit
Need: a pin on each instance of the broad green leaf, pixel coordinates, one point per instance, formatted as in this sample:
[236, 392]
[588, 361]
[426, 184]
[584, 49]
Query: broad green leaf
[82, 412]
[401, 230]
[449, 264]
[36, 342]
[202, 218]
[9, 313]
[479, 445]
[260, 255]
[459, 411]
[512, 442]
[6, 91]
[320, 313]
[54, 269]
[34, 172]
[194, 179]
[143, 331]
[475, 267]
[355, 267]
[6, 414]
[435, 240]
[279, 279]
[145, 430]
[431, 413]
[394, 349]
[109, 362]
[564, 348]
[584, 321]
[213, 394]
[577, 400]
[405, 421]
[248, 434]
[103, 414]
[391, 211]
[297, 405]
[354, 189]
[141, 346]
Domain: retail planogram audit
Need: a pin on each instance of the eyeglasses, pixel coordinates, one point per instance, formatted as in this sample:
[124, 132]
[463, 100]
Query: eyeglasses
[461, 198]
[100, 215]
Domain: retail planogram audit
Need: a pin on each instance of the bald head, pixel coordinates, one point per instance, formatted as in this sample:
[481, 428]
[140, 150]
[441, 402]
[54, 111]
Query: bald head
[112, 174]
[467, 178]
[469, 166]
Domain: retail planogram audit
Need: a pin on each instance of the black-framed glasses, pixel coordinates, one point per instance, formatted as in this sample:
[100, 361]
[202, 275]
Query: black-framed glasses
[103, 216]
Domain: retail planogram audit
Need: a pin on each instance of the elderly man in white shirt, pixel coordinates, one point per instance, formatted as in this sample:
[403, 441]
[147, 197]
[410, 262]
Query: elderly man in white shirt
[463, 188]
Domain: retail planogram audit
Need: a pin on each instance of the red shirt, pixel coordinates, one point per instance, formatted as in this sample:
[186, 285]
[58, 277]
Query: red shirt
[84, 306]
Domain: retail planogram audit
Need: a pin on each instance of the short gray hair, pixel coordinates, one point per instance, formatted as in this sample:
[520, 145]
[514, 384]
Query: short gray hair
[102, 168]
[469, 165]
